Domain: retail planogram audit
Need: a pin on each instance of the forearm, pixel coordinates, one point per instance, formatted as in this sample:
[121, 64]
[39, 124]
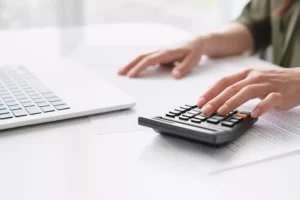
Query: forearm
[234, 39]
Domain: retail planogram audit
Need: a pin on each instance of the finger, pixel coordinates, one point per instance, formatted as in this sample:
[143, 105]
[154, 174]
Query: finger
[157, 58]
[220, 85]
[273, 100]
[185, 66]
[247, 93]
[229, 92]
[129, 66]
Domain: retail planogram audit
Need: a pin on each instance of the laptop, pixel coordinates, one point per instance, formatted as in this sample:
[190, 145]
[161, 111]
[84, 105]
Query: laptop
[37, 93]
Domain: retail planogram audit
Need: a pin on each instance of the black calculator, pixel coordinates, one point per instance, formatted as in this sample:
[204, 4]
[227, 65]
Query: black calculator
[188, 122]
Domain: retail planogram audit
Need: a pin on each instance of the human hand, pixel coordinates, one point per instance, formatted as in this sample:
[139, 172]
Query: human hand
[187, 55]
[278, 88]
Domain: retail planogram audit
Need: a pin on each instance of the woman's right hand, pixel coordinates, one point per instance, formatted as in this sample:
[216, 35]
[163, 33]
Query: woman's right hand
[183, 58]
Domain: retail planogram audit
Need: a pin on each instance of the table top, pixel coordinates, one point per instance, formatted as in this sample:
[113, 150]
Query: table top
[109, 156]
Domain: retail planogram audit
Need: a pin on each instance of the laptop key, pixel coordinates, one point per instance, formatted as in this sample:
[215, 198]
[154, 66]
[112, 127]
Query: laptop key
[6, 116]
[58, 103]
[6, 96]
[2, 107]
[28, 104]
[62, 107]
[46, 109]
[4, 111]
[19, 113]
[42, 104]
[39, 100]
[16, 107]
[33, 110]
[12, 103]
[24, 100]
[9, 100]
[213, 121]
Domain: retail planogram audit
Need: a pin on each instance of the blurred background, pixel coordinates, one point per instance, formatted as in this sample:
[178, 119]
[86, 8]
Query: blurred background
[188, 14]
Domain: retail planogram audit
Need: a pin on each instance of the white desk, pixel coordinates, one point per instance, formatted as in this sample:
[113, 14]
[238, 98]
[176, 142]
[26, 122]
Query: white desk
[80, 158]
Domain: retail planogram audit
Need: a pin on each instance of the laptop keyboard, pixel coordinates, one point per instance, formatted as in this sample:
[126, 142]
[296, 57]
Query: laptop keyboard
[22, 94]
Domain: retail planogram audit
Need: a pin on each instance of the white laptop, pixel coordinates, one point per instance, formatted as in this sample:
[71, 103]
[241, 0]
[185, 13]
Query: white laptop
[38, 93]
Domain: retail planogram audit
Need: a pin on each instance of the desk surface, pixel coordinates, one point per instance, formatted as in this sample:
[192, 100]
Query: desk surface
[84, 158]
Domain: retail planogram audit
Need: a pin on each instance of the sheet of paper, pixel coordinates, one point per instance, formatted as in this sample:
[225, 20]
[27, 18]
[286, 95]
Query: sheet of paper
[275, 135]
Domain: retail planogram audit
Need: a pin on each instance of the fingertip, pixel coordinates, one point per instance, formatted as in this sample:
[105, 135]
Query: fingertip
[201, 101]
[121, 72]
[132, 75]
[176, 74]
[208, 109]
[256, 113]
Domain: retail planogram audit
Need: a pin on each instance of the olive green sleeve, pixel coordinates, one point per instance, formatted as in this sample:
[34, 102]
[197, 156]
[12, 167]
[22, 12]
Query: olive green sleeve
[256, 17]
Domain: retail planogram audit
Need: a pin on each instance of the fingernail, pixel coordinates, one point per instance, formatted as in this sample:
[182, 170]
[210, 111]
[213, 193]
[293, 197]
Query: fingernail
[223, 110]
[176, 74]
[208, 109]
[255, 113]
[201, 101]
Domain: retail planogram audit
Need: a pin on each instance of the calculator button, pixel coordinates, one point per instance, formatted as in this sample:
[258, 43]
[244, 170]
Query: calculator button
[235, 121]
[233, 112]
[236, 117]
[190, 106]
[180, 109]
[244, 116]
[197, 110]
[171, 115]
[213, 121]
[185, 107]
[198, 121]
[188, 115]
[177, 113]
[184, 118]
[228, 124]
[193, 112]
[201, 117]
[219, 117]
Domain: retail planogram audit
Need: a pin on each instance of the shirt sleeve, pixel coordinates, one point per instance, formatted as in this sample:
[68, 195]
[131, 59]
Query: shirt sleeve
[256, 17]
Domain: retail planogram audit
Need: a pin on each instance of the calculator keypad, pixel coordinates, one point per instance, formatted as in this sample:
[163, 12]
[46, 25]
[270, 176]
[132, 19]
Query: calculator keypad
[193, 114]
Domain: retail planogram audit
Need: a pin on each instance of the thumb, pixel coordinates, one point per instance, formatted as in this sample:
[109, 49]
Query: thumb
[273, 100]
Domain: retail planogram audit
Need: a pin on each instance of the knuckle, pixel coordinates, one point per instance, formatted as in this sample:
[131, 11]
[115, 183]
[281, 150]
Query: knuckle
[222, 81]
[233, 89]
[247, 71]
[250, 89]
[259, 77]
[275, 96]
[148, 59]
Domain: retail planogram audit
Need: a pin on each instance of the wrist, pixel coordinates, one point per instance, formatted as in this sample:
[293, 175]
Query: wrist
[205, 44]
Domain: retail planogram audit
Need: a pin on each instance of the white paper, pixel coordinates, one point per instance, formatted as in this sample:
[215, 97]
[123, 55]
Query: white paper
[276, 134]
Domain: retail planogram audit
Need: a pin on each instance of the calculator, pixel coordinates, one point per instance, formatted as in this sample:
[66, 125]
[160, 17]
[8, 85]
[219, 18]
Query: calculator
[188, 122]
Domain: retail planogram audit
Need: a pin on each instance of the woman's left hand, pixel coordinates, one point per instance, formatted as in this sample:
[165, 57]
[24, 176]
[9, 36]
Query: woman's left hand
[278, 88]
